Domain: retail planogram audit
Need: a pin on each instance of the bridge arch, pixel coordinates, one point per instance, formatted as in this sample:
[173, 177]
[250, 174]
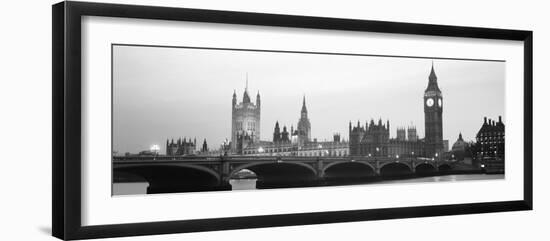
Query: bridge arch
[280, 174]
[122, 175]
[348, 162]
[204, 169]
[406, 163]
[395, 169]
[251, 166]
[425, 168]
[417, 164]
[348, 171]
[174, 177]
[445, 167]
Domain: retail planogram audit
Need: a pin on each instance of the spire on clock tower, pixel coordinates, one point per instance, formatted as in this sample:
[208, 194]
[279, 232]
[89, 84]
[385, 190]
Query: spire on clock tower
[432, 80]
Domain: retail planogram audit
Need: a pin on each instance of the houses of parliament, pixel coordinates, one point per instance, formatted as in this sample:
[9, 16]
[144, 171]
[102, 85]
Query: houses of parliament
[371, 139]
[245, 134]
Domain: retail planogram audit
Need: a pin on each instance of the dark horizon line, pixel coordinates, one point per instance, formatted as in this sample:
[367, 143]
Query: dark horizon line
[302, 52]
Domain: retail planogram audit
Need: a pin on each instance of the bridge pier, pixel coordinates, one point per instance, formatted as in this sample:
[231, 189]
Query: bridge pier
[320, 170]
[224, 173]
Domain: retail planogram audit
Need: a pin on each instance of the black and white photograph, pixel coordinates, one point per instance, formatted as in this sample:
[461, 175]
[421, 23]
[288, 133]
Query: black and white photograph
[194, 119]
[275, 120]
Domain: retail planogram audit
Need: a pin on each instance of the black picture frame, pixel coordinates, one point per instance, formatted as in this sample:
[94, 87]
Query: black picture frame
[66, 127]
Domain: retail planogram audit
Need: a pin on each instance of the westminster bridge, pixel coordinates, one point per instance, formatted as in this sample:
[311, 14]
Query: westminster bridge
[205, 173]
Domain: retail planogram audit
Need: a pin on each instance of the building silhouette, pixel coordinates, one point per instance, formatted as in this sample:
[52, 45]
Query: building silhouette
[281, 137]
[204, 148]
[411, 133]
[296, 142]
[489, 148]
[304, 126]
[285, 135]
[490, 138]
[401, 134]
[459, 148]
[245, 120]
[276, 133]
[373, 139]
[181, 147]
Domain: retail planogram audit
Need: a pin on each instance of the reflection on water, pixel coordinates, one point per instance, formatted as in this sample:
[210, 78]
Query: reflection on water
[243, 184]
[448, 178]
[248, 184]
[125, 188]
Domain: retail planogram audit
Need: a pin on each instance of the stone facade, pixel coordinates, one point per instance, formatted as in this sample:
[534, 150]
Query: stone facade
[296, 142]
[181, 147]
[373, 140]
[245, 120]
[490, 138]
[313, 148]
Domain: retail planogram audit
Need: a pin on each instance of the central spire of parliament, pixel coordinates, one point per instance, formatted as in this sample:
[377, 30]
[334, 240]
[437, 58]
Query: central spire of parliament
[304, 108]
[304, 126]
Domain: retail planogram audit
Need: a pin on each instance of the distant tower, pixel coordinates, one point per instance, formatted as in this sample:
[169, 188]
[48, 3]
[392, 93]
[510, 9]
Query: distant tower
[276, 133]
[180, 147]
[258, 99]
[336, 137]
[433, 112]
[401, 135]
[355, 137]
[245, 118]
[204, 146]
[167, 147]
[375, 139]
[304, 126]
[285, 135]
[411, 133]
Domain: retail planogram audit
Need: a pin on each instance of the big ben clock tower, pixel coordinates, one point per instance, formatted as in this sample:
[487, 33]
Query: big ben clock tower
[433, 111]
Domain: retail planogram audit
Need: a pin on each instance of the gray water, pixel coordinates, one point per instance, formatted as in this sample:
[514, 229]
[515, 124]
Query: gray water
[448, 178]
[248, 184]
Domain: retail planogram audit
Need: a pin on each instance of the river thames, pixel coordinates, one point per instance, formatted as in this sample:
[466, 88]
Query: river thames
[249, 184]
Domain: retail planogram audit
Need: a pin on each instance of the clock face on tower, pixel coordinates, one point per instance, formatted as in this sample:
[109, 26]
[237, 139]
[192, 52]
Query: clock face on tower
[430, 102]
[439, 102]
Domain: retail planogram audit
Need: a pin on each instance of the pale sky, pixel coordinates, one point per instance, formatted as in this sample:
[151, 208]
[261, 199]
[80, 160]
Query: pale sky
[161, 93]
